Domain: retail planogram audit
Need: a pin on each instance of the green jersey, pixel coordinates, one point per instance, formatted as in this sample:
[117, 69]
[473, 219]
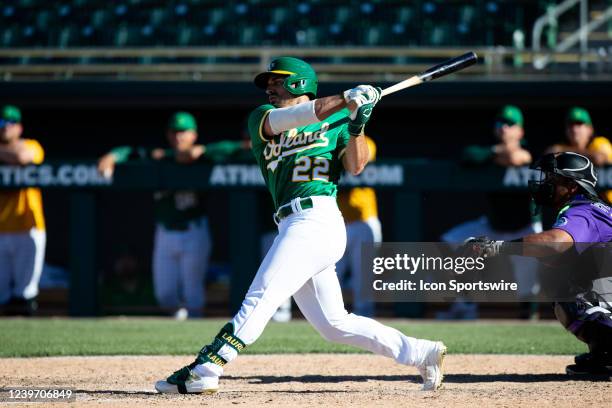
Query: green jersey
[300, 162]
[176, 209]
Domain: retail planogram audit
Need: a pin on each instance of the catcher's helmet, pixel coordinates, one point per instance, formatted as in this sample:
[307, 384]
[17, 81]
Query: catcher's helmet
[301, 78]
[570, 165]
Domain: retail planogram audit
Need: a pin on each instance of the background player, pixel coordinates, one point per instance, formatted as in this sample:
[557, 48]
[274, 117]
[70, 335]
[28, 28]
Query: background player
[302, 145]
[182, 237]
[508, 214]
[568, 186]
[360, 212]
[580, 138]
[22, 222]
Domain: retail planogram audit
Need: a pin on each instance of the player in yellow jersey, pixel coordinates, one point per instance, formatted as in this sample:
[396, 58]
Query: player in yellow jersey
[360, 211]
[581, 139]
[22, 223]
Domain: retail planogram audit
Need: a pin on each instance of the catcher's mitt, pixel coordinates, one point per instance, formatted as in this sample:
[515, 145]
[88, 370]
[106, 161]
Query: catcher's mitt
[481, 247]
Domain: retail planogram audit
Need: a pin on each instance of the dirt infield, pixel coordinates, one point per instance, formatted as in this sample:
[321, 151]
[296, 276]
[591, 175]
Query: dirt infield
[319, 379]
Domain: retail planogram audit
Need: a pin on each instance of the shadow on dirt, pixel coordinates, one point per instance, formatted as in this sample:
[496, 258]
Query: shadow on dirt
[449, 378]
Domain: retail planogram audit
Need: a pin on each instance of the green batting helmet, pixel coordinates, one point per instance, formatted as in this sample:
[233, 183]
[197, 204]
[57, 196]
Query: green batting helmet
[301, 78]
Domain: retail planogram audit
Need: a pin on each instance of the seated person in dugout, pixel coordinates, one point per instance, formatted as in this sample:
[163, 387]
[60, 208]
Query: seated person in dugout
[568, 186]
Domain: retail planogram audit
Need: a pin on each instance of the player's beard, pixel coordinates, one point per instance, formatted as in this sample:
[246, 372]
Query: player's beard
[276, 100]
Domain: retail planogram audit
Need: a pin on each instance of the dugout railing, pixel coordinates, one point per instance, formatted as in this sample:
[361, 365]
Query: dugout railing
[81, 181]
[331, 63]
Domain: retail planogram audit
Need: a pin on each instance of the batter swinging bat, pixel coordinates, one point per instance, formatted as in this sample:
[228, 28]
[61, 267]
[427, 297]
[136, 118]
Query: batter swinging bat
[445, 68]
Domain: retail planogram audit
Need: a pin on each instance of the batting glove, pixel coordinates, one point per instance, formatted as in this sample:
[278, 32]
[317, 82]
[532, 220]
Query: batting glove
[359, 101]
[362, 116]
[372, 94]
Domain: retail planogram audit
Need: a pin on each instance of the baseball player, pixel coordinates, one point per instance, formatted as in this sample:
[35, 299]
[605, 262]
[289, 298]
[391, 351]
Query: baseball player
[508, 215]
[568, 186]
[22, 222]
[580, 137]
[182, 238]
[360, 211]
[302, 145]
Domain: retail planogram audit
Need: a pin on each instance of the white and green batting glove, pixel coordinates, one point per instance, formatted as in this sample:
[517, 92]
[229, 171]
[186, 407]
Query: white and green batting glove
[372, 94]
[358, 101]
[362, 116]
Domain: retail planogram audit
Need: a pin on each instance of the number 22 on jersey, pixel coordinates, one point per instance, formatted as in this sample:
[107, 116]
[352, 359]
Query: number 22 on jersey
[309, 169]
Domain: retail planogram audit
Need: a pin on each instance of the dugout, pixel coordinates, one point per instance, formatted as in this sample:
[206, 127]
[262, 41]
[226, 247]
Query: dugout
[428, 126]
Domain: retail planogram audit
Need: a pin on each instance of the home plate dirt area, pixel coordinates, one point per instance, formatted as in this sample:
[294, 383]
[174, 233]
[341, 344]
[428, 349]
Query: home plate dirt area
[337, 380]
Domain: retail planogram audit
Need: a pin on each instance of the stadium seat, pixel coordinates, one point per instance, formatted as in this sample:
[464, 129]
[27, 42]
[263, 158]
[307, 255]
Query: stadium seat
[249, 35]
[157, 16]
[310, 36]
[217, 16]
[100, 18]
[339, 15]
[377, 36]
[67, 37]
[279, 15]
[184, 35]
[43, 18]
[404, 15]
[8, 36]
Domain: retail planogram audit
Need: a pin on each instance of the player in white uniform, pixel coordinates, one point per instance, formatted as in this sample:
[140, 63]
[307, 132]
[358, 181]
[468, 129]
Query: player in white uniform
[182, 238]
[302, 145]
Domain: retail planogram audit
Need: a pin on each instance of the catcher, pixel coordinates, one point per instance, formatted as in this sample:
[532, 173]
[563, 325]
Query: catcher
[583, 218]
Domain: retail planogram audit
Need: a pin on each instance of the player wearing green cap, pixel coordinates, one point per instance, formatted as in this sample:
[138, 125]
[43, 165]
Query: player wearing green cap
[581, 139]
[509, 139]
[508, 215]
[302, 145]
[182, 238]
[22, 222]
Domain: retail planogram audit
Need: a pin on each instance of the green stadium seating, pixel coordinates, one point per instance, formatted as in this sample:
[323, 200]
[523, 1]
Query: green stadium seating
[68, 23]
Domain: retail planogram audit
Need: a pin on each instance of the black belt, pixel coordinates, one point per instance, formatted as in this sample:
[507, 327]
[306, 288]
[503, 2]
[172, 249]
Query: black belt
[287, 209]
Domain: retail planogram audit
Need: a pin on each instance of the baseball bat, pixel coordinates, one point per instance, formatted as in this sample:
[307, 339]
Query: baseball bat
[445, 68]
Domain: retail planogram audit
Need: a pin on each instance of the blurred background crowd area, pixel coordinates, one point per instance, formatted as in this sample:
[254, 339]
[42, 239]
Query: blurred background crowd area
[509, 28]
[90, 75]
[75, 23]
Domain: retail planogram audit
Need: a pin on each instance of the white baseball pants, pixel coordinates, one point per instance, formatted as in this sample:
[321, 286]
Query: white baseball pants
[301, 263]
[180, 261]
[358, 233]
[22, 255]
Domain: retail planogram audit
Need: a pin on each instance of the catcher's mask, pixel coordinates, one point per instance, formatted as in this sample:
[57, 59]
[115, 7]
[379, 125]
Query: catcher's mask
[300, 78]
[567, 166]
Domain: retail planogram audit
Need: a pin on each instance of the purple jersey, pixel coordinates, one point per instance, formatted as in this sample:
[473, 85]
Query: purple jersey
[586, 220]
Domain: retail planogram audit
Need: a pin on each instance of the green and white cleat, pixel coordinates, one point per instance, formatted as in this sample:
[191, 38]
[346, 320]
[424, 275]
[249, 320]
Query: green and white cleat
[186, 381]
[432, 368]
